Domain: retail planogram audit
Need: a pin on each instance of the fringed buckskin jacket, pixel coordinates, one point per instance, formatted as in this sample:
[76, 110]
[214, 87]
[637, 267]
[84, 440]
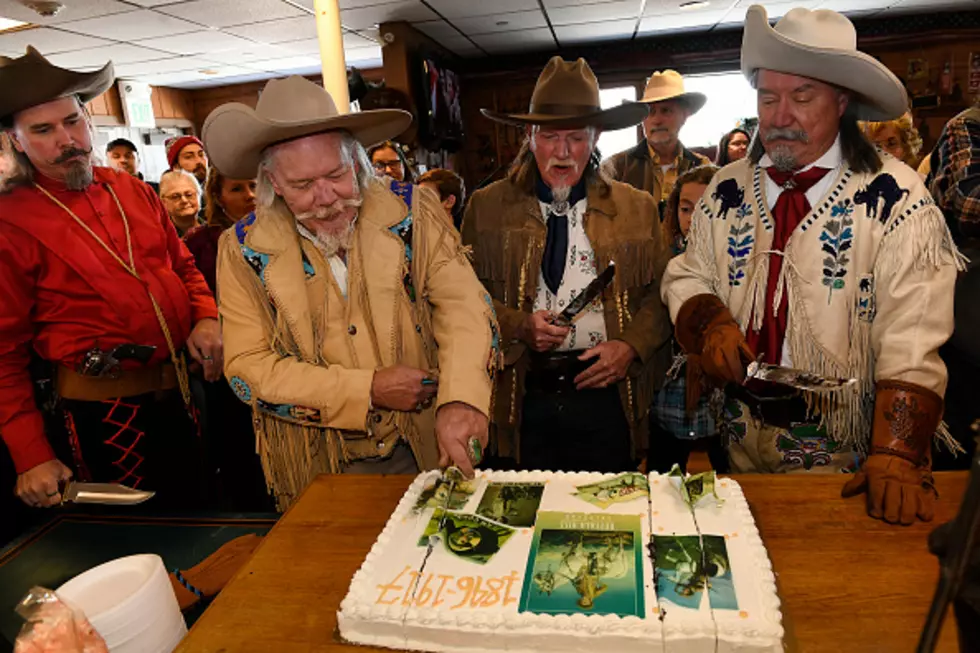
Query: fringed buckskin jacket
[868, 273]
[304, 357]
[504, 227]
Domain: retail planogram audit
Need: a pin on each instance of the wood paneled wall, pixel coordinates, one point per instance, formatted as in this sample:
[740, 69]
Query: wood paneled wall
[168, 104]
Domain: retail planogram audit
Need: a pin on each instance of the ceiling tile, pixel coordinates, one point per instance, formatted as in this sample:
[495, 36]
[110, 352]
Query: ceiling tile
[352, 40]
[588, 13]
[462, 46]
[906, 6]
[589, 32]
[152, 3]
[200, 42]
[288, 64]
[118, 54]
[253, 52]
[224, 13]
[505, 42]
[515, 22]
[465, 8]
[437, 29]
[680, 22]
[363, 54]
[162, 66]
[346, 4]
[132, 26]
[46, 39]
[312, 46]
[773, 10]
[277, 31]
[72, 11]
[365, 17]
[218, 76]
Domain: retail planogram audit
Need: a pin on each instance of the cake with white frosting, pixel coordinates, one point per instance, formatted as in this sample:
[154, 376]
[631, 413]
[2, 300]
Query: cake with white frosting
[553, 561]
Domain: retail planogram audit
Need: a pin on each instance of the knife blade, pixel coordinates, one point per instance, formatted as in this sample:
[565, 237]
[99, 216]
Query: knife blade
[794, 378]
[587, 296]
[112, 494]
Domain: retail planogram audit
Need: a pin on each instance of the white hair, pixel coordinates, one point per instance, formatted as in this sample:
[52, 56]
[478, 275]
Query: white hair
[179, 173]
[352, 153]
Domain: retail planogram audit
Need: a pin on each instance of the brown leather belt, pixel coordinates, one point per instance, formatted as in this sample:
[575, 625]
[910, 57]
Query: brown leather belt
[130, 383]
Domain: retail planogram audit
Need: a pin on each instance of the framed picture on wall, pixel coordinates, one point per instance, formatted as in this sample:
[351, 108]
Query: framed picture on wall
[918, 69]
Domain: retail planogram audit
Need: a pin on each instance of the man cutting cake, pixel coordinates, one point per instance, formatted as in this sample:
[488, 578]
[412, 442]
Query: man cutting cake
[353, 323]
[820, 253]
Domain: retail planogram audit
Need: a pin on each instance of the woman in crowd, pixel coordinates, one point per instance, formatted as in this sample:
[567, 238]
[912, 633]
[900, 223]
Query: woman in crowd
[225, 421]
[898, 137]
[388, 159]
[451, 189]
[733, 146]
[675, 430]
[181, 196]
[226, 201]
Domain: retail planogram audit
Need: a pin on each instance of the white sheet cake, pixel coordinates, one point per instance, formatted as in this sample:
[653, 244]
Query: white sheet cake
[525, 562]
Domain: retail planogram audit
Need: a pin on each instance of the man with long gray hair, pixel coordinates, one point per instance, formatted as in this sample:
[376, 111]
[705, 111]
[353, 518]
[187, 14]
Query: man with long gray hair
[830, 262]
[98, 284]
[574, 395]
[353, 323]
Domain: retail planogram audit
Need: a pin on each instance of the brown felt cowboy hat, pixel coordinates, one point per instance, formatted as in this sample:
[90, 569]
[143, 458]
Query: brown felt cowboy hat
[31, 80]
[236, 134]
[566, 96]
[669, 85]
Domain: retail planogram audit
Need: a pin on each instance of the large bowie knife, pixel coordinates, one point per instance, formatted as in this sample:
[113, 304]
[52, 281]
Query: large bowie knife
[112, 494]
[799, 379]
[587, 296]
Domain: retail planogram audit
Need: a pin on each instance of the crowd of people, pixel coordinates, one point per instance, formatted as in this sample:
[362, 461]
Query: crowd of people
[373, 320]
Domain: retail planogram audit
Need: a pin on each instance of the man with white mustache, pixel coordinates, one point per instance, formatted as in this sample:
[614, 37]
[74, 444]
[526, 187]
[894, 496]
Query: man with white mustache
[572, 397]
[817, 253]
[353, 323]
[656, 162]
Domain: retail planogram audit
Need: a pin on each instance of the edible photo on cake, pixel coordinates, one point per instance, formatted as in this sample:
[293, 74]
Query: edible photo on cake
[513, 504]
[585, 564]
[686, 565]
[469, 537]
[434, 495]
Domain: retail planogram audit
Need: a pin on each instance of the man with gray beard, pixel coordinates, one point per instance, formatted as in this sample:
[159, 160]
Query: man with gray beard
[573, 396]
[354, 326]
[829, 260]
[98, 285]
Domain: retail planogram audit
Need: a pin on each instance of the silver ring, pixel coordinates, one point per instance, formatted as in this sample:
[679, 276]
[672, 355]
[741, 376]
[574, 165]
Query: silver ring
[207, 358]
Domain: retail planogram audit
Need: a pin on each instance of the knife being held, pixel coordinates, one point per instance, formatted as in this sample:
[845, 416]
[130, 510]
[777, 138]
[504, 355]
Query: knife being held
[794, 378]
[586, 297]
[112, 494]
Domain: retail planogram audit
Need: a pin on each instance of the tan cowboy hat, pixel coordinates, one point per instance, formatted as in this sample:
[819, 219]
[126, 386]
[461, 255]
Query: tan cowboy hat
[822, 45]
[669, 85]
[235, 134]
[31, 80]
[566, 96]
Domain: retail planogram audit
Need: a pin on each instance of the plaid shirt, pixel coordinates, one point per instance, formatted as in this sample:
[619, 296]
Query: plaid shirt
[669, 413]
[955, 177]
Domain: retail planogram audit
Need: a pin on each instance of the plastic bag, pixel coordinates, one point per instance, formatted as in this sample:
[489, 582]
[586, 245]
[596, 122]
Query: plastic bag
[54, 627]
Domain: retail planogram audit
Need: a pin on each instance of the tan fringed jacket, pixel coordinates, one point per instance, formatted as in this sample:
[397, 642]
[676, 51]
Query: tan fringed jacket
[504, 226]
[304, 357]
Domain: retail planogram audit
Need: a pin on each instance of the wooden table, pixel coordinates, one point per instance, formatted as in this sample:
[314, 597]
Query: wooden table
[847, 582]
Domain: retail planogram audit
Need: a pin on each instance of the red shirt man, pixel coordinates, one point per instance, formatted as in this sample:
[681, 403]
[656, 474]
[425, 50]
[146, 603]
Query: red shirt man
[88, 260]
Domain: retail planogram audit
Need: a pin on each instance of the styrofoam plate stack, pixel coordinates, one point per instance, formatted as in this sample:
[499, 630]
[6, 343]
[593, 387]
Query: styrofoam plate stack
[131, 604]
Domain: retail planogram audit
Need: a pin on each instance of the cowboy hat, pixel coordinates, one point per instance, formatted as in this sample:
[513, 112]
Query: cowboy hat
[235, 134]
[669, 85]
[822, 45]
[566, 96]
[31, 80]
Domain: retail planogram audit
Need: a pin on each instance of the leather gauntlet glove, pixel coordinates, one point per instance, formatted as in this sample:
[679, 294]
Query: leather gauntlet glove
[714, 343]
[898, 474]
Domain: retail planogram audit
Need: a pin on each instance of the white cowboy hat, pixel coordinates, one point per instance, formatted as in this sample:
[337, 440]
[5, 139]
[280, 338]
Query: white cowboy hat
[234, 134]
[669, 85]
[822, 45]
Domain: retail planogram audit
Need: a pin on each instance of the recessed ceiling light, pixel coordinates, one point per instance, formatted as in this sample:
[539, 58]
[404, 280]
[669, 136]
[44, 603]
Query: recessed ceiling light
[694, 4]
[7, 23]
[208, 71]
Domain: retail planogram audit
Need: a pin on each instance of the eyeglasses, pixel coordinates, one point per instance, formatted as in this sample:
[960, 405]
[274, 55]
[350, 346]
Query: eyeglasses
[189, 196]
[381, 166]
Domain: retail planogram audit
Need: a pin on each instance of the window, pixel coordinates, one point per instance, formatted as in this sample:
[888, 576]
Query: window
[612, 142]
[730, 99]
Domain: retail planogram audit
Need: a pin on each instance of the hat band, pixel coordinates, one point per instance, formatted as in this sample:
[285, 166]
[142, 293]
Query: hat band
[562, 110]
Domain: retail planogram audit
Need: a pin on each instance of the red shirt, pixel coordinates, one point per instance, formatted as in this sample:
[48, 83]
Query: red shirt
[63, 294]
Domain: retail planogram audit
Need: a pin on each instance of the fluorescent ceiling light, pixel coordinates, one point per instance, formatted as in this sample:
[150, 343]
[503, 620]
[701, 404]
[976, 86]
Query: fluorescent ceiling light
[7, 23]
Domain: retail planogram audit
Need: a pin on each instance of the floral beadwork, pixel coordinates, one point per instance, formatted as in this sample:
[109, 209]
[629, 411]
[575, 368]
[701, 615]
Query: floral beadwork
[740, 241]
[240, 388]
[837, 238]
[807, 446]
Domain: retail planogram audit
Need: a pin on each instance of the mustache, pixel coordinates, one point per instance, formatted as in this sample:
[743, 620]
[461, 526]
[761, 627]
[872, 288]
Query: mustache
[327, 212]
[554, 162]
[71, 153]
[779, 134]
